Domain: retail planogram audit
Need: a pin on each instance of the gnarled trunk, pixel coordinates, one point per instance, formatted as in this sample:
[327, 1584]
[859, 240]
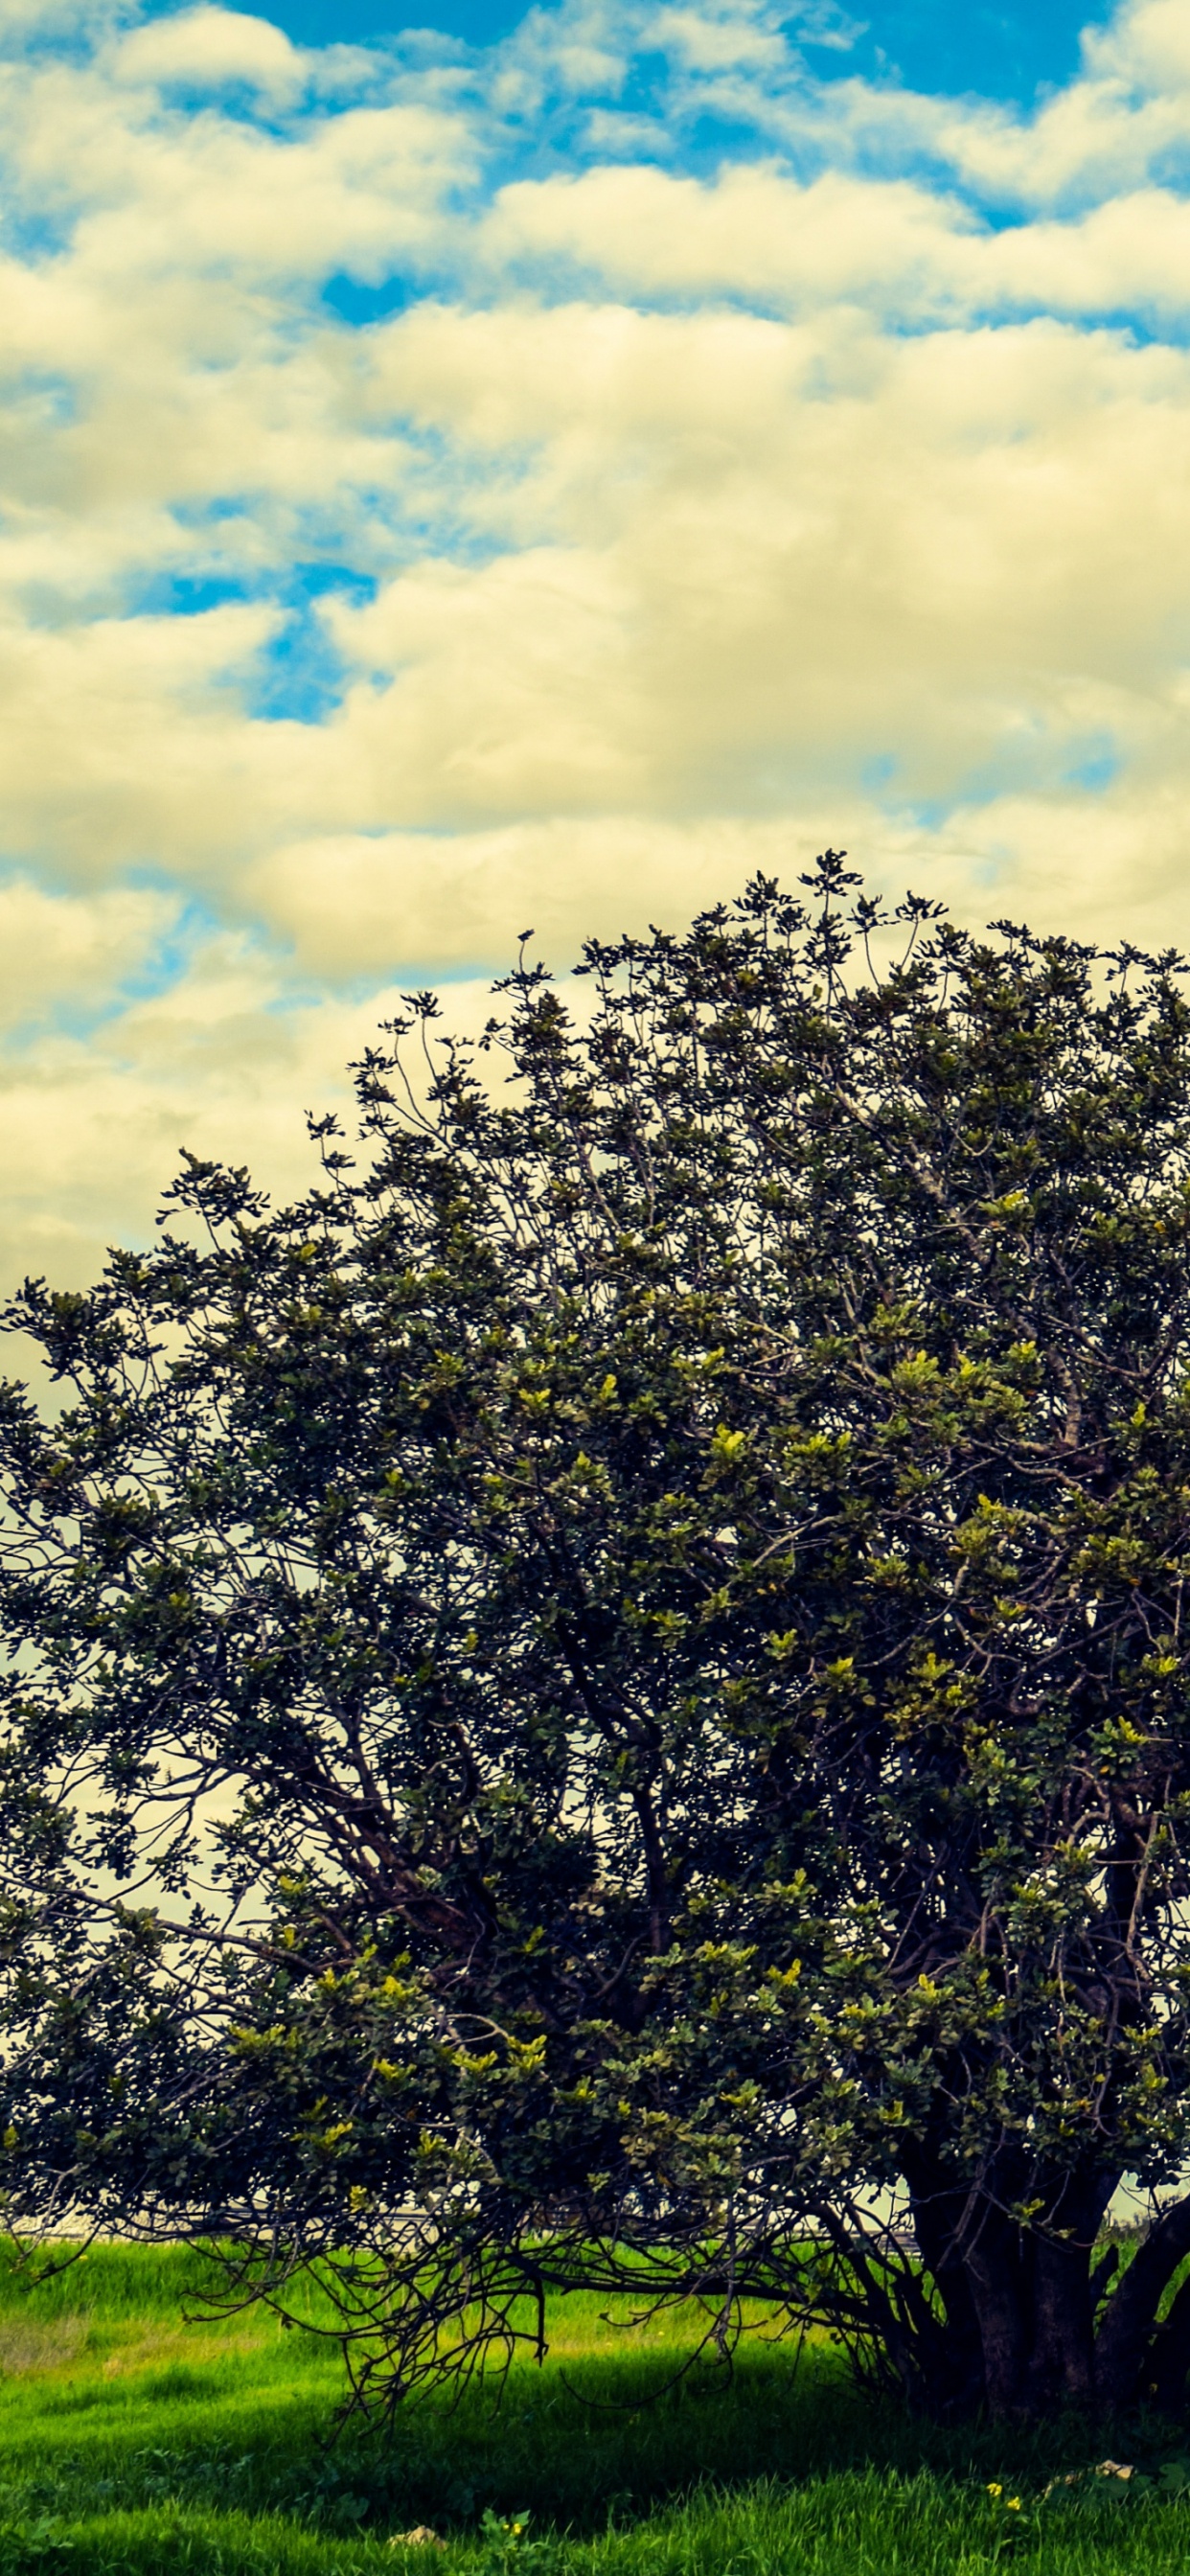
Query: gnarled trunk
[1019, 2324]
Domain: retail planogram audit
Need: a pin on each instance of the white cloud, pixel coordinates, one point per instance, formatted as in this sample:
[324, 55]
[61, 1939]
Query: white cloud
[94, 1125]
[891, 246]
[1112, 129]
[712, 43]
[60, 952]
[210, 48]
[680, 520]
[1146, 47]
[224, 1063]
[752, 232]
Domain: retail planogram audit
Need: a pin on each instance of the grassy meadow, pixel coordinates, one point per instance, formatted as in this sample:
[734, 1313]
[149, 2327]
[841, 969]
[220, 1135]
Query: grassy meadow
[134, 2440]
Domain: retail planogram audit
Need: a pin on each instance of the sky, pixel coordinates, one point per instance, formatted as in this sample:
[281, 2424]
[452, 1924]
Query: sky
[464, 468]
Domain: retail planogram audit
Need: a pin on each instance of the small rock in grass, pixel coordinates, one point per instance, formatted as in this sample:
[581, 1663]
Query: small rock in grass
[421, 2537]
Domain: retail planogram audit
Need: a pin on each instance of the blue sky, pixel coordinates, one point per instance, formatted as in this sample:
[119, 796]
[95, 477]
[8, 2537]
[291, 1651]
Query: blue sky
[542, 467]
[1002, 53]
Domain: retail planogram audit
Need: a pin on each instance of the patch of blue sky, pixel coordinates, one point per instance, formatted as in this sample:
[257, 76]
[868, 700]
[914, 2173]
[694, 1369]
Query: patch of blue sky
[63, 36]
[377, 22]
[714, 132]
[300, 675]
[179, 592]
[45, 394]
[1036, 762]
[1160, 326]
[977, 50]
[360, 302]
[171, 957]
[194, 927]
[1003, 52]
[193, 587]
[299, 672]
[441, 499]
[1094, 764]
[78, 1014]
[1008, 776]
[36, 232]
[438, 505]
[695, 124]
[1140, 326]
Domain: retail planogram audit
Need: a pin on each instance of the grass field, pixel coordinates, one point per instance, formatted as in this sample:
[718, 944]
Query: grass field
[132, 2440]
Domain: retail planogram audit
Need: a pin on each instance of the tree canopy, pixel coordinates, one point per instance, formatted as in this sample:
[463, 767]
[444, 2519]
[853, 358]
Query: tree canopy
[605, 1699]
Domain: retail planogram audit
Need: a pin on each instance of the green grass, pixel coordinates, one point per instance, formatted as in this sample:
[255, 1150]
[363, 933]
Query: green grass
[132, 2440]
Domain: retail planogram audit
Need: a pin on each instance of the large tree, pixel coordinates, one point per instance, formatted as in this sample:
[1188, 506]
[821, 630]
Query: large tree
[606, 1699]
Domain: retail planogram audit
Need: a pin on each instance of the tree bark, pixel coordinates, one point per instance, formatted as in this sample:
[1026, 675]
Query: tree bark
[1163, 2374]
[1130, 2316]
[1132, 2311]
[1017, 2331]
[999, 2293]
[952, 2367]
[1061, 2368]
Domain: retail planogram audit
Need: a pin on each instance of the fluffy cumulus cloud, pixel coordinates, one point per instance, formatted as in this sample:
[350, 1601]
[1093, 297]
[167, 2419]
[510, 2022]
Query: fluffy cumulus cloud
[445, 489]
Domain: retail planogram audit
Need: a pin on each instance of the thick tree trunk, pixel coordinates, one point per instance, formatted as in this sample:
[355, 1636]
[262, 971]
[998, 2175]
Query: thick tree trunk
[1016, 2335]
[999, 2292]
[1061, 2366]
[952, 2361]
[973, 2254]
[1164, 2369]
[1128, 2335]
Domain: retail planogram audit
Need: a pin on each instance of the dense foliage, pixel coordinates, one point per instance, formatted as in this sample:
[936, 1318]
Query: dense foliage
[605, 1698]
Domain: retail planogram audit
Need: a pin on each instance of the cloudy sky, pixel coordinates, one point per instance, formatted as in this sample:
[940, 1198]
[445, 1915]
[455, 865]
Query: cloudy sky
[536, 468]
